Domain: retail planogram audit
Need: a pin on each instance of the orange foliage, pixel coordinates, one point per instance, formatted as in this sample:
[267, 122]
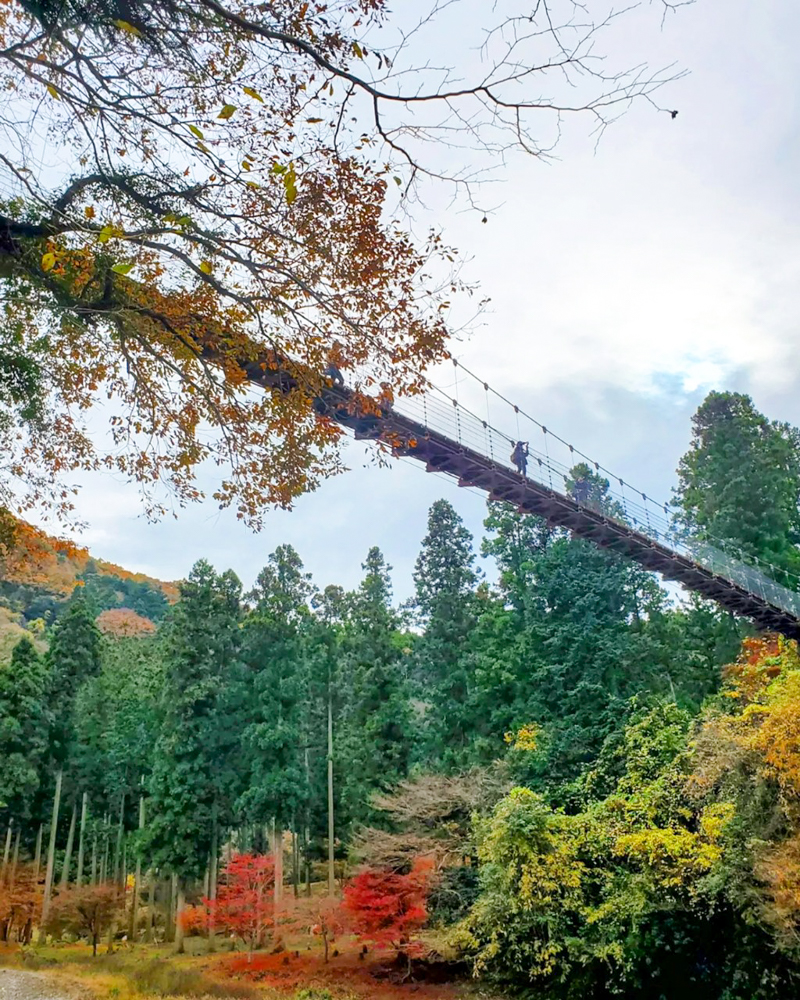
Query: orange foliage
[122, 622]
[34, 558]
[20, 903]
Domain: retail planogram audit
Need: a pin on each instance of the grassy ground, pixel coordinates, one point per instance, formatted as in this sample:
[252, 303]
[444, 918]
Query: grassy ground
[145, 972]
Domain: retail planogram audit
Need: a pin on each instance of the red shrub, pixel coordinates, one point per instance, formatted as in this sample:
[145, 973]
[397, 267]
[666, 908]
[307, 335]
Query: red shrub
[388, 909]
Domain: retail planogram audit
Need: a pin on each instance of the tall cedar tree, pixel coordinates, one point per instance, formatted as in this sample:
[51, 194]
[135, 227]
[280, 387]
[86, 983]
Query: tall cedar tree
[192, 756]
[740, 482]
[24, 725]
[117, 722]
[73, 658]
[375, 743]
[445, 580]
[274, 653]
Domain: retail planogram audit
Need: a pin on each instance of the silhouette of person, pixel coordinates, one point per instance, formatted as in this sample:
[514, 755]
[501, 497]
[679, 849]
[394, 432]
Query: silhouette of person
[334, 374]
[519, 456]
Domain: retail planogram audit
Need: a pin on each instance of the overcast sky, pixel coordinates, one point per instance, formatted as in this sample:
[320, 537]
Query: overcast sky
[626, 281]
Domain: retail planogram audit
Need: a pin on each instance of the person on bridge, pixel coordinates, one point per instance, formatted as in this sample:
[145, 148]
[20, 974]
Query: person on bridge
[519, 456]
[333, 373]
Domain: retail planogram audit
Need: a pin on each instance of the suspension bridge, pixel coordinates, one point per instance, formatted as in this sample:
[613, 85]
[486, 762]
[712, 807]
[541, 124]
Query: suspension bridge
[448, 436]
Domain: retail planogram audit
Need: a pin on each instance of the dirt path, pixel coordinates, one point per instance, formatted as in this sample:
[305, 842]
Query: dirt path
[16, 985]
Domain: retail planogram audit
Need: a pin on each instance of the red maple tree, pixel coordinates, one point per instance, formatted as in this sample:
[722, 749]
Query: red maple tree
[244, 905]
[389, 908]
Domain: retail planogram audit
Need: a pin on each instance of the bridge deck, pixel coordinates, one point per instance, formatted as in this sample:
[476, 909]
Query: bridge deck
[470, 467]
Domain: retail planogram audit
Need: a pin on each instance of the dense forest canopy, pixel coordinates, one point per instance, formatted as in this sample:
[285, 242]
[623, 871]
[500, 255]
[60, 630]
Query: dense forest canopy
[590, 789]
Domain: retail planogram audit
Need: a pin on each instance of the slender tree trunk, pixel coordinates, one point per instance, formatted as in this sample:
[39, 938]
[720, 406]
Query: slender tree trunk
[331, 831]
[94, 857]
[123, 882]
[173, 902]
[81, 840]
[106, 851]
[51, 857]
[37, 857]
[295, 862]
[137, 876]
[14, 860]
[213, 863]
[307, 830]
[178, 925]
[151, 899]
[7, 851]
[118, 846]
[68, 852]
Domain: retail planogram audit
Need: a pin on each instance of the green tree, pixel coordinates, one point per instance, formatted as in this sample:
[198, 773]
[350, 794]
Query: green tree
[739, 483]
[191, 757]
[73, 658]
[24, 725]
[445, 580]
[274, 653]
[374, 743]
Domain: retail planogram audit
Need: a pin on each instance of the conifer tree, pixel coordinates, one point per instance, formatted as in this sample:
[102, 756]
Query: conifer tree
[739, 483]
[274, 654]
[24, 725]
[74, 657]
[374, 748]
[445, 580]
[191, 757]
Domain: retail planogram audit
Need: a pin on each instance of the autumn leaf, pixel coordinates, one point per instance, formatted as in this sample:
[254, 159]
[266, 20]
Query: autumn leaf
[314, 121]
[290, 184]
[196, 132]
[246, 165]
[48, 260]
[205, 267]
[51, 90]
[227, 112]
[122, 268]
[252, 93]
[89, 211]
[108, 232]
[128, 28]
[358, 51]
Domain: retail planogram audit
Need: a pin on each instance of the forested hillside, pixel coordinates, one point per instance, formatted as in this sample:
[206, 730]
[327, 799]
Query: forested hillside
[578, 784]
[40, 576]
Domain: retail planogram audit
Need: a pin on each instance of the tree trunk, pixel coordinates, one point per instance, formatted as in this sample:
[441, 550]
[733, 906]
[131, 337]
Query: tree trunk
[295, 862]
[173, 899]
[213, 865]
[331, 841]
[81, 840]
[137, 877]
[178, 925]
[51, 857]
[151, 899]
[7, 851]
[307, 830]
[15, 860]
[118, 846]
[68, 852]
[106, 851]
[94, 857]
[37, 857]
